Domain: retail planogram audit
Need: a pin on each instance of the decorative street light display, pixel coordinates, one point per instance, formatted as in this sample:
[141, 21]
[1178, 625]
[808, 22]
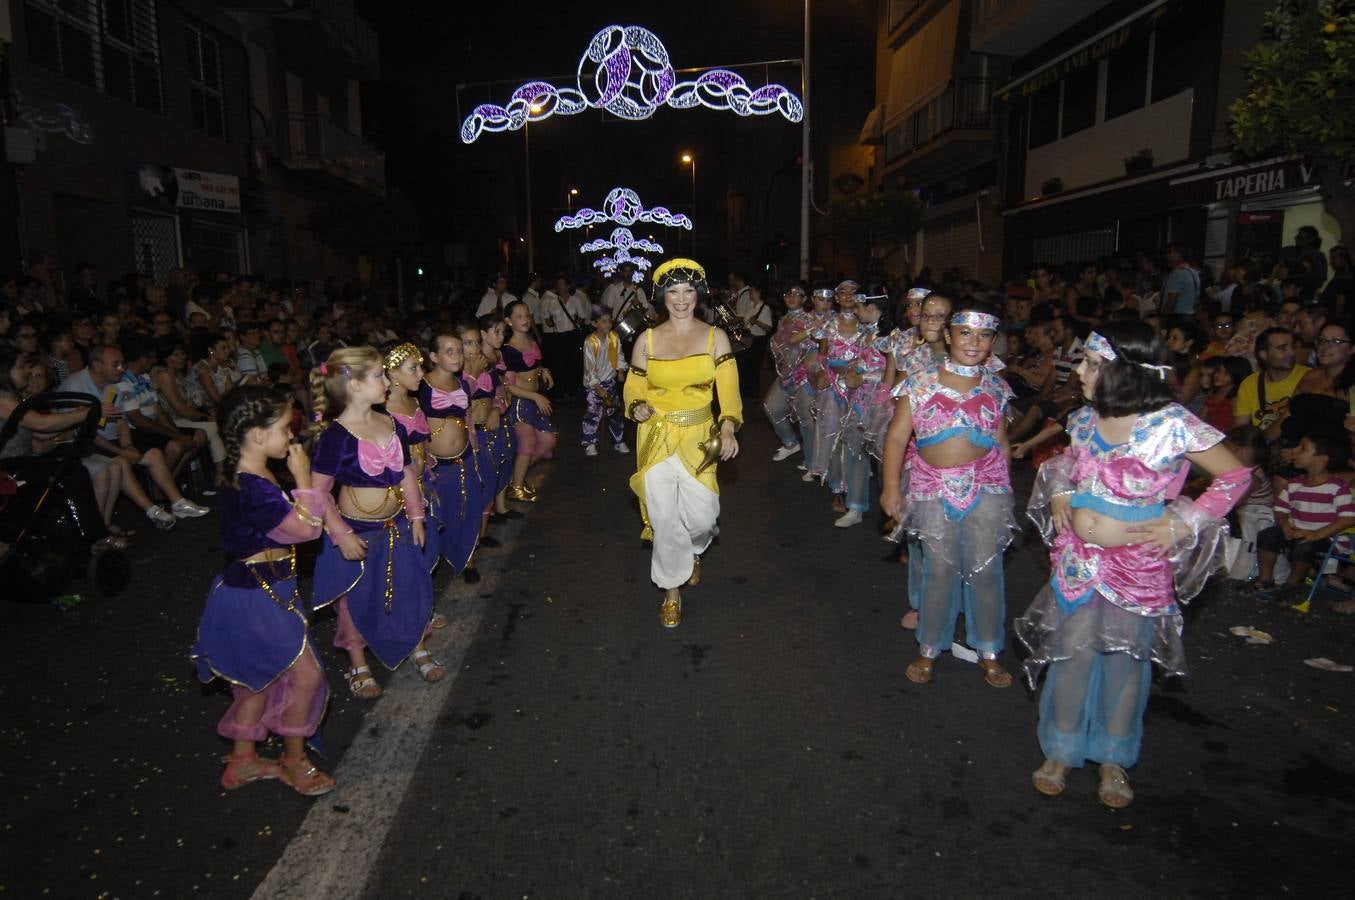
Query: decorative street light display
[623, 207]
[621, 239]
[626, 71]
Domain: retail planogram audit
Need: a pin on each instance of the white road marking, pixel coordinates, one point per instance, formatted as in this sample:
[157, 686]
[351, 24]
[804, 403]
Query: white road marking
[333, 852]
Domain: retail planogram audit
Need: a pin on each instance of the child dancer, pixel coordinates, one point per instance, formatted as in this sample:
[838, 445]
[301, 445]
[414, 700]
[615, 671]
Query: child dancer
[603, 367]
[492, 330]
[959, 503]
[371, 560]
[867, 396]
[404, 369]
[1119, 533]
[840, 341]
[444, 400]
[790, 346]
[480, 393]
[530, 410]
[254, 631]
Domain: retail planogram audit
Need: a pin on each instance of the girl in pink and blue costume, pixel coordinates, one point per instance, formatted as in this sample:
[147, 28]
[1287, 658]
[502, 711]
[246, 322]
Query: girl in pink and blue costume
[959, 501]
[790, 346]
[841, 340]
[530, 410]
[371, 560]
[255, 630]
[445, 401]
[404, 367]
[867, 397]
[1126, 550]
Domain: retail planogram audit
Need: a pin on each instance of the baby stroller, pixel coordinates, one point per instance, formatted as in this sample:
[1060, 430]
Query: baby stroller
[45, 535]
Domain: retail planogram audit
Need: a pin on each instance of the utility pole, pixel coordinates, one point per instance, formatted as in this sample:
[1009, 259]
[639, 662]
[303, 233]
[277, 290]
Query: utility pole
[805, 186]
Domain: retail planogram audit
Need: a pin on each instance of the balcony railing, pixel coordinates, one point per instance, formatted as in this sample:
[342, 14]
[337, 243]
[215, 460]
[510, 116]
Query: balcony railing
[315, 142]
[967, 103]
[340, 18]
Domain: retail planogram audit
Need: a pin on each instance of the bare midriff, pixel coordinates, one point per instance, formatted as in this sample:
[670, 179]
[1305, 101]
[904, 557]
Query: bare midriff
[1103, 530]
[447, 438]
[480, 410]
[955, 451]
[369, 502]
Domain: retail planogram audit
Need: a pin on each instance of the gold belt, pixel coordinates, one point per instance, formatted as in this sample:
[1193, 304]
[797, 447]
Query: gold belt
[688, 416]
[678, 417]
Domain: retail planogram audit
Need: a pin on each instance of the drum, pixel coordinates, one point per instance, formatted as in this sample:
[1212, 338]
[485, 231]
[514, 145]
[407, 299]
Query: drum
[636, 320]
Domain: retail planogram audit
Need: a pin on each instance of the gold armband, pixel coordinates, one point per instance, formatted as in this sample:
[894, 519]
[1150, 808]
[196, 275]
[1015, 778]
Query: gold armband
[644, 373]
[738, 423]
[630, 409]
[721, 360]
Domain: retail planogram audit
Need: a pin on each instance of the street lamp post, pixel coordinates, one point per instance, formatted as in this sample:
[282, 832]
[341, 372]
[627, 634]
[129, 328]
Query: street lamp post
[569, 208]
[690, 160]
[527, 161]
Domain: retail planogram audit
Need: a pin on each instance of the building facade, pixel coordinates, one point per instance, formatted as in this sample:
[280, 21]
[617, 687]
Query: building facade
[1114, 125]
[148, 134]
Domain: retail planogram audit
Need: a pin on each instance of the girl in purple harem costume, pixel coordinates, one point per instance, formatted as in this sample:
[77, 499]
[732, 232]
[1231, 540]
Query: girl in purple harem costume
[254, 631]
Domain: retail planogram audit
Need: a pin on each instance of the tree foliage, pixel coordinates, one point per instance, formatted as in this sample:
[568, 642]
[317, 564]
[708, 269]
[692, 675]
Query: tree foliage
[872, 225]
[1300, 96]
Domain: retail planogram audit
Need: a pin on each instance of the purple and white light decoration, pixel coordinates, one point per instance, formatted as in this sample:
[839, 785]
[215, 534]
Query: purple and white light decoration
[609, 264]
[621, 239]
[55, 118]
[623, 207]
[626, 71]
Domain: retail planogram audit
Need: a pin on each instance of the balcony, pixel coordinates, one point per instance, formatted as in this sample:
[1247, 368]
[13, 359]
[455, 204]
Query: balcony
[338, 19]
[959, 120]
[1016, 27]
[316, 144]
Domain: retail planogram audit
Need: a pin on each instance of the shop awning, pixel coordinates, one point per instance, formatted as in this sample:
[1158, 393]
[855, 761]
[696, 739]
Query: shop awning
[920, 70]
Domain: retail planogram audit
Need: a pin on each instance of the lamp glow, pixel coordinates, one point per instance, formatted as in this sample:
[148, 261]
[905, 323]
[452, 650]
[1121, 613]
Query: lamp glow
[626, 71]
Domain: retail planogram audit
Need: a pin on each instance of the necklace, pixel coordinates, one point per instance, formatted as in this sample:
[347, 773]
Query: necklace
[964, 371]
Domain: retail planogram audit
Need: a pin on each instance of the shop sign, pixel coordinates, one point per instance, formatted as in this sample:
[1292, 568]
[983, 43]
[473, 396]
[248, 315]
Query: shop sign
[188, 188]
[1244, 182]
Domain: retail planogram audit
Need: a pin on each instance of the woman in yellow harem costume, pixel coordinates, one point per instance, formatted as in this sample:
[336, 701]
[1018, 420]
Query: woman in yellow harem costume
[677, 367]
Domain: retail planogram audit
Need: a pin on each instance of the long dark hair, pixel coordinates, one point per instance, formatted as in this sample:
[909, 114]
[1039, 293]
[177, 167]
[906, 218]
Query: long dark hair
[1129, 384]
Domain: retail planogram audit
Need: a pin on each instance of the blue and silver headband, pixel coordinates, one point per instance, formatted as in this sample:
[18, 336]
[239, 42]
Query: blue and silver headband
[975, 319]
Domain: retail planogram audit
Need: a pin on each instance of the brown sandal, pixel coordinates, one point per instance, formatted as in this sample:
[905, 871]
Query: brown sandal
[919, 671]
[995, 674]
[304, 778]
[233, 777]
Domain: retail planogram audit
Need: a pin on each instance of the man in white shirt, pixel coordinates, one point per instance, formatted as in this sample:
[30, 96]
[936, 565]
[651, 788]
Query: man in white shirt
[757, 315]
[532, 296]
[495, 298]
[623, 294]
[564, 315]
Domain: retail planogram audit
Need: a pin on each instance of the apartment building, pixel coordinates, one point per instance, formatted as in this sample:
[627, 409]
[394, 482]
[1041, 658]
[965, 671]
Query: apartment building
[149, 134]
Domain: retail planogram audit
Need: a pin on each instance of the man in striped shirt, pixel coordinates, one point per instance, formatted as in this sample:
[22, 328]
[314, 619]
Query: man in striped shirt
[1309, 512]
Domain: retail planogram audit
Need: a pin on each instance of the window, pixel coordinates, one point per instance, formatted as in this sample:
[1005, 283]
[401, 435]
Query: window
[1127, 78]
[204, 83]
[110, 45]
[1044, 115]
[1079, 100]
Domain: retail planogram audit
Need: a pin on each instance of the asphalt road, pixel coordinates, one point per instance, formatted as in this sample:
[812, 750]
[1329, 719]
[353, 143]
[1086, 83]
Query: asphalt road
[770, 745]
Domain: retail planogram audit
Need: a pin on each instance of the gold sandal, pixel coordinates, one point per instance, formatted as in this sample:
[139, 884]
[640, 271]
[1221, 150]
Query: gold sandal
[919, 671]
[670, 613]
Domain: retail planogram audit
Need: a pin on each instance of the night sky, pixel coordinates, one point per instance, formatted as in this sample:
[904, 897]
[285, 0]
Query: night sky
[471, 194]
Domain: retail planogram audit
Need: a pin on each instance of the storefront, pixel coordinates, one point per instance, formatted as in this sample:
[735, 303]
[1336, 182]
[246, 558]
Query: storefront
[186, 217]
[1254, 209]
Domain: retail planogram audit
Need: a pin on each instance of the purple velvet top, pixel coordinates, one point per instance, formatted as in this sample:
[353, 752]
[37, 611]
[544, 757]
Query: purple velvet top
[416, 425]
[439, 404]
[249, 513]
[357, 463]
[514, 360]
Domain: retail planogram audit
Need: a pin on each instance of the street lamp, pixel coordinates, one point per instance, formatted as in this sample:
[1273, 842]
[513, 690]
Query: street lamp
[690, 160]
[527, 161]
[569, 207]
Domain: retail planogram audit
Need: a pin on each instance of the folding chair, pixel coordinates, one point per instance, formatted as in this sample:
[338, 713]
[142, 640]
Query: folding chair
[1341, 549]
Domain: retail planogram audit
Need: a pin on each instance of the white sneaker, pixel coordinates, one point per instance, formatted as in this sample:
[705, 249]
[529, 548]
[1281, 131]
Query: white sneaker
[590, 450]
[807, 476]
[184, 508]
[849, 518]
[802, 467]
[161, 518]
[622, 448]
[785, 452]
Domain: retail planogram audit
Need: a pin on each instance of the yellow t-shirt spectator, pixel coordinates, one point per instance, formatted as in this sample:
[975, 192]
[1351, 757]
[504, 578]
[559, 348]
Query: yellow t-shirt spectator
[1248, 400]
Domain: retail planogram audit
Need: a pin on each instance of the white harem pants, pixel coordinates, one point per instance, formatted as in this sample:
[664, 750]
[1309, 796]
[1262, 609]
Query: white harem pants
[682, 513]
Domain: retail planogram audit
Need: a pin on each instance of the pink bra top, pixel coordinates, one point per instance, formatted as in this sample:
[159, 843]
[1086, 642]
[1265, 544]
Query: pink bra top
[373, 458]
[941, 413]
[439, 404]
[416, 424]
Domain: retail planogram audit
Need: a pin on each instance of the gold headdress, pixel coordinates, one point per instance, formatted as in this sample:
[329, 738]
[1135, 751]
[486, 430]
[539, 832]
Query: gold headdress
[679, 270]
[399, 353]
